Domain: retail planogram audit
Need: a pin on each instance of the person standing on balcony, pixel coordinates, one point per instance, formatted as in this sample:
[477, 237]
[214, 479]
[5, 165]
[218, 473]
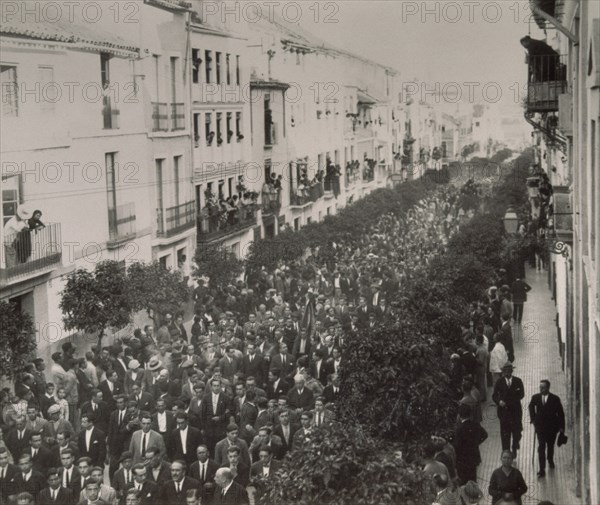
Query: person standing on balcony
[17, 241]
[35, 222]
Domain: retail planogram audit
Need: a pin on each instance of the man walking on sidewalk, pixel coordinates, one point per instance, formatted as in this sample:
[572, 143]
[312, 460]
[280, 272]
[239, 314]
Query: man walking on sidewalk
[548, 418]
[519, 293]
[508, 393]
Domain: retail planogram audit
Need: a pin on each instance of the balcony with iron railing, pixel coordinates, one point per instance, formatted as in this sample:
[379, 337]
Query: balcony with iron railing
[215, 223]
[121, 224]
[547, 81]
[306, 195]
[174, 220]
[177, 116]
[30, 252]
[160, 117]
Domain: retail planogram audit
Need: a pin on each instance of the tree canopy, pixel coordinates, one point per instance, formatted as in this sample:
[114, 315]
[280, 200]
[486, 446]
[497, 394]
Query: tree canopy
[18, 339]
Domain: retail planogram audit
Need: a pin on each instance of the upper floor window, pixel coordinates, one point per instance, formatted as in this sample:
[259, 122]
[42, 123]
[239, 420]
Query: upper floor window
[196, 65]
[10, 95]
[218, 66]
[237, 70]
[207, 65]
[228, 68]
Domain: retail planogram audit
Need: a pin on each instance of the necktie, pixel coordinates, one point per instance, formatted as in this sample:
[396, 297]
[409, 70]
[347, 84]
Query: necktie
[2, 471]
[20, 435]
[127, 479]
[544, 399]
[94, 407]
[178, 486]
[283, 360]
[144, 439]
[508, 382]
[66, 478]
[34, 451]
[203, 473]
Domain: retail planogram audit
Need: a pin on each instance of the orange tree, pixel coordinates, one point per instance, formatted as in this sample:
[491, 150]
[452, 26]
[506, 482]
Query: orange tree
[18, 339]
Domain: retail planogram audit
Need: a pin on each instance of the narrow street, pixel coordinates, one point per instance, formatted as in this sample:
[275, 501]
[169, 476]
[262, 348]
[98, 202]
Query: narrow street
[536, 357]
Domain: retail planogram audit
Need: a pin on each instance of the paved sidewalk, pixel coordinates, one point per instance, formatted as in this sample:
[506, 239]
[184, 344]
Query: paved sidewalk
[536, 357]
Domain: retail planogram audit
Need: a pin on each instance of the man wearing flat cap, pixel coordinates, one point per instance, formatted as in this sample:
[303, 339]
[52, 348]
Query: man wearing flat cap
[508, 393]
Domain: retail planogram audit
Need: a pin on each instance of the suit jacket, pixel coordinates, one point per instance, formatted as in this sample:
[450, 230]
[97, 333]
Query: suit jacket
[153, 439]
[118, 434]
[256, 470]
[296, 348]
[14, 445]
[34, 485]
[102, 414]
[215, 428]
[257, 368]
[108, 396]
[221, 451]
[511, 396]
[229, 369]
[324, 371]
[282, 389]
[8, 485]
[286, 444]
[236, 495]
[211, 469]
[303, 401]
[145, 402]
[549, 418]
[469, 435]
[64, 497]
[74, 483]
[168, 494]
[148, 493]
[519, 291]
[56, 451]
[43, 459]
[329, 394]
[171, 425]
[507, 340]
[288, 369]
[327, 417]
[97, 450]
[164, 474]
[176, 450]
[129, 381]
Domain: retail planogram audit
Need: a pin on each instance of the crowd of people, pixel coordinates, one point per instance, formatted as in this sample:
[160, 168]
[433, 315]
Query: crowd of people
[168, 415]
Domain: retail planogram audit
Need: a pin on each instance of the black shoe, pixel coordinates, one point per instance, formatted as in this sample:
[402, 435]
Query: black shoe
[551, 464]
[541, 473]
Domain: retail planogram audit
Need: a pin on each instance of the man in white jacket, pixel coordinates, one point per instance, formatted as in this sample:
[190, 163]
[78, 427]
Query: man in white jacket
[498, 357]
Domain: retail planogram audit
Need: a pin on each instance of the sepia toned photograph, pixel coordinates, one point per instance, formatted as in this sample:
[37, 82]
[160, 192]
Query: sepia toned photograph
[300, 252]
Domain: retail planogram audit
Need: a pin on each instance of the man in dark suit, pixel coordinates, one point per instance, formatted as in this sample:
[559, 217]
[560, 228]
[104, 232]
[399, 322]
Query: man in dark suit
[41, 456]
[117, 433]
[175, 490]
[184, 440]
[17, 439]
[163, 421]
[215, 412]
[8, 476]
[508, 393]
[204, 471]
[147, 490]
[332, 391]
[239, 470]
[266, 466]
[27, 479]
[469, 435]
[69, 474]
[229, 492]
[302, 344]
[254, 365]
[144, 400]
[276, 386]
[55, 493]
[110, 388]
[159, 471]
[285, 430]
[123, 477]
[547, 415]
[319, 368]
[519, 296]
[63, 442]
[91, 441]
[100, 409]
[300, 397]
[283, 361]
[507, 339]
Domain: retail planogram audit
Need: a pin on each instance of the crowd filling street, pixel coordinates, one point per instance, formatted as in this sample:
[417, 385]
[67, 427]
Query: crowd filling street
[179, 415]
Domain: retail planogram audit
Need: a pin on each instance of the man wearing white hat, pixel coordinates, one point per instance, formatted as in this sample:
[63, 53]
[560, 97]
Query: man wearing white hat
[132, 376]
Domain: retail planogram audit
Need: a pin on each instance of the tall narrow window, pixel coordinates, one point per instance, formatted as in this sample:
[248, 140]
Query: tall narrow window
[111, 193]
[221, 187]
[10, 95]
[208, 128]
[237, 70]
[159, 184]
[197, 130]
[238, 126]
[176, 182]
[196, 64]
[207, 65]
[11, 191]
[227, 68]
[268, 118]
[218, 67]
[219, 132]
[107, 113]
[228, 126]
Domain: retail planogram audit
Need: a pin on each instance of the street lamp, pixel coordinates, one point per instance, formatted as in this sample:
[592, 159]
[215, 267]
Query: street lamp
[511, 221]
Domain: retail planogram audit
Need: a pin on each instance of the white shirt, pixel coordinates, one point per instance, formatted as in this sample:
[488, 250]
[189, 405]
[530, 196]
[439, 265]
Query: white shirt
[27, 476]
[544, 399]
[88, 438]
[162, 421]
[266, 470]
[183, 435]
[67, 472]
[225, 489]
[215, 402]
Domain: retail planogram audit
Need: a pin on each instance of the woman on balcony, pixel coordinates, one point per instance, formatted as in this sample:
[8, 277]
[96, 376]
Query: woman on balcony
[17, 240]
